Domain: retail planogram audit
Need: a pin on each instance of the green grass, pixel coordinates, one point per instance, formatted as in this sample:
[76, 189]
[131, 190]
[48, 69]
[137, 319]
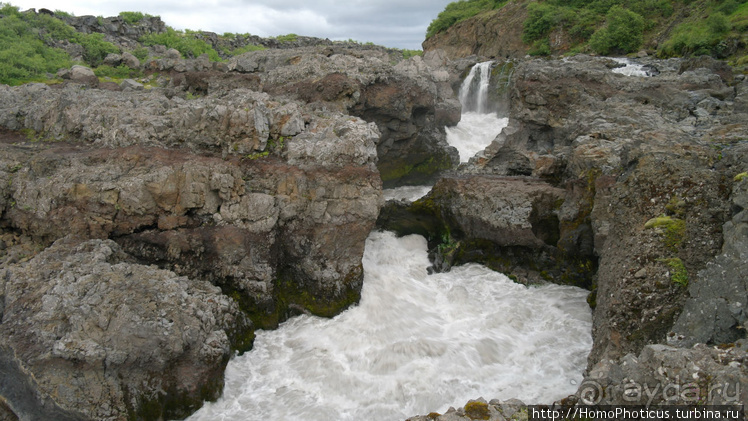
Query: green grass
[287, 38]
[119, 72]
[24, 56]
[186, 43]
[133, 17]
[459, 11]
[242, 50]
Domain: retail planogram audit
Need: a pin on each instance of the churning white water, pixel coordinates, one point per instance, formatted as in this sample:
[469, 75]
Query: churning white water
[630, 68]
[416, 343]
[410, 193]
[474, 132]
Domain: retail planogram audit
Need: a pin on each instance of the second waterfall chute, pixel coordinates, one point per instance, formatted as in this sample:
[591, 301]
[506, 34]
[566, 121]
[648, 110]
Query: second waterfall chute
[479, 126]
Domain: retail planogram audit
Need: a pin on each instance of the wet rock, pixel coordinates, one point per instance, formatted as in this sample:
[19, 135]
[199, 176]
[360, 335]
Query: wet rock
[511, 224]
[479, 409]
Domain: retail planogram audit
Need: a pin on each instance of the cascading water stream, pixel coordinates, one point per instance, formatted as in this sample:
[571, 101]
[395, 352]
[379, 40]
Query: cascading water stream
[478, 126]
[416, 343]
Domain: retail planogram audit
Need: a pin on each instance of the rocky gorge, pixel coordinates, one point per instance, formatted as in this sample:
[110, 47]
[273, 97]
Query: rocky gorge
[148, 231]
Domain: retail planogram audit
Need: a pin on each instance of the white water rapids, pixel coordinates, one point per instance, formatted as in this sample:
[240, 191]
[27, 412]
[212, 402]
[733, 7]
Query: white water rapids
[416, 343]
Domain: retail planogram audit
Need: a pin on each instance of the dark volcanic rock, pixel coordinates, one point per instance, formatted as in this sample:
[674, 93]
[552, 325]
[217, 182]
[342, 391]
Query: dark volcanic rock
[510, 224]
[715, 311]
[627, 150]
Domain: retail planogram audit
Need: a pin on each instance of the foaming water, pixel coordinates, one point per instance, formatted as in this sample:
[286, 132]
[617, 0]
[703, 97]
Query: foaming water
[416, 343]
[410, 193]
[474, 132]
[630, 68]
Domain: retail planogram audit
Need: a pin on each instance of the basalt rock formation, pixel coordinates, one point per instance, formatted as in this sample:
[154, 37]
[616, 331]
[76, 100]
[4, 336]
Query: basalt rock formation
[269, 199]
[644, 181]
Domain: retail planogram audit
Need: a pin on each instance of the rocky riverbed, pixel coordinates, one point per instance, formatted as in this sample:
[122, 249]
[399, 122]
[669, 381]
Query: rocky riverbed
[147, 231]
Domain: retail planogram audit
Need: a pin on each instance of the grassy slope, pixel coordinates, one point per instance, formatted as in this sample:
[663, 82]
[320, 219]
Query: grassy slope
[667, 27]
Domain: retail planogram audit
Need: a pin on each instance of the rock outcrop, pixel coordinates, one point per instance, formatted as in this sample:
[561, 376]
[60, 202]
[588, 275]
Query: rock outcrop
[495, 33]
[87, 334]
[411, 103]
[645, 180]
[629, 150]
[271, 200]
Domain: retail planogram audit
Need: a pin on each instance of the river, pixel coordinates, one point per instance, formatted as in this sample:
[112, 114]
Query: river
[416, 343]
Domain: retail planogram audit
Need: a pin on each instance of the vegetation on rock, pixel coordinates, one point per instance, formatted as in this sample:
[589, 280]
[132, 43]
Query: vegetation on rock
[459, 11]
[667, 27]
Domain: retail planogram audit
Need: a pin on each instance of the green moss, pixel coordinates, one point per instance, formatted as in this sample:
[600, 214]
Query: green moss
[400, 169]
[676, 206]
[257, 155]
[292, 294]
[740, 177]
[592, 299]
[678, 271]
[520, 415]
[477, 410]
[674, 230]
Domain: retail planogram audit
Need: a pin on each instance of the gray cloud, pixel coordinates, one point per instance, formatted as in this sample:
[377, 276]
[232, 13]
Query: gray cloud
[393, 23]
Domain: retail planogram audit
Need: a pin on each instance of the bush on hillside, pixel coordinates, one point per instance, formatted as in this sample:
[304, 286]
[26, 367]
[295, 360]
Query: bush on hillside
[23, 55]
[133, 17]
[187, 44]
[623, 32]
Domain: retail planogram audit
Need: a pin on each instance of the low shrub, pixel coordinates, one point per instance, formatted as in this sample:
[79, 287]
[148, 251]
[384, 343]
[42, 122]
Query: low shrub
[622, 33]
[186, 43]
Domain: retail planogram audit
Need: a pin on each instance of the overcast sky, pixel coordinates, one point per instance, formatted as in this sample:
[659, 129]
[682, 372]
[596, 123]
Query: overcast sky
[392, 23]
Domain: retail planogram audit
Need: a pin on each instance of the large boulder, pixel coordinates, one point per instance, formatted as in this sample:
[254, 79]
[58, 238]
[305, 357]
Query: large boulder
[88, 334]
[511, 224]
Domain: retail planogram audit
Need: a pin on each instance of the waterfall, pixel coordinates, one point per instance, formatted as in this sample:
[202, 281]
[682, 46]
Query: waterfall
[479, 126]
[417, 343]
[474, 90]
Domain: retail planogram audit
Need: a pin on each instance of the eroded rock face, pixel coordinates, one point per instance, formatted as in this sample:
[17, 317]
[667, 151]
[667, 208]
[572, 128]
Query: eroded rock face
[107, 339]
[715, 311]
[651, 173]
[497, 33]
[410, 103]
[511, 224]
[271, 201]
